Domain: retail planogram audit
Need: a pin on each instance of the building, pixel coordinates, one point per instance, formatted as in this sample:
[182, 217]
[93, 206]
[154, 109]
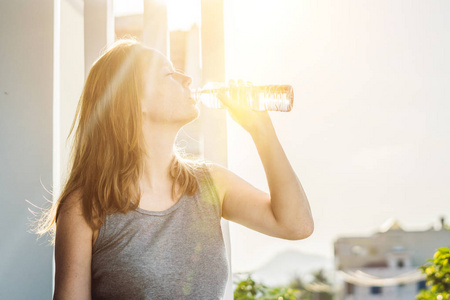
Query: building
[385, 264]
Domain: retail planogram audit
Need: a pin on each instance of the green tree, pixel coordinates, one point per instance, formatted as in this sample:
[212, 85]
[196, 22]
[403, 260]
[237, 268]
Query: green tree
[281, 293]
[248, 289]
[437, 272]
[297, 283]
[319, 276]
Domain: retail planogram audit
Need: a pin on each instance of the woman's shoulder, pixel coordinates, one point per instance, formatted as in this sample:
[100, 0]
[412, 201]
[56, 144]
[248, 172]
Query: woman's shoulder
[70, 214]
[205, 165]
[218, 175]
[72, 203]
[215, 170]
[73, 248]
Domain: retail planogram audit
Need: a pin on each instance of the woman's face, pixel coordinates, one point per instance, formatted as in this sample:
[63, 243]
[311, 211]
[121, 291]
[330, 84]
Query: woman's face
[167, 94]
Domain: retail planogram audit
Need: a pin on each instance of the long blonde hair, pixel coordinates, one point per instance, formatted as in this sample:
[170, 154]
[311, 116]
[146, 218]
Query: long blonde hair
[108, 150]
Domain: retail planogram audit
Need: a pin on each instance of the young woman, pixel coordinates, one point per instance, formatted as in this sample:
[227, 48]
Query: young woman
[136, 220]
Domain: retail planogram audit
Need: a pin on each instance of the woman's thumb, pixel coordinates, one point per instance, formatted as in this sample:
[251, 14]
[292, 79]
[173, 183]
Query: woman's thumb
[223, 97]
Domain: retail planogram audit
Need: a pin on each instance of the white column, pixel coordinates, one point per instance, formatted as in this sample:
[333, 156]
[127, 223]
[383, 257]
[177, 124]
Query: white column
[98, 29]
[214, 122]
[68, 80]
[71, 71]
[213, 69]
[155, 32]
[191, 133]
[193, 58]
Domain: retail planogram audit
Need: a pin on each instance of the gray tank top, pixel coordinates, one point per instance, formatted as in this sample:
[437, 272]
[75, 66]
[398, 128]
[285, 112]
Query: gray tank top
[178, 253]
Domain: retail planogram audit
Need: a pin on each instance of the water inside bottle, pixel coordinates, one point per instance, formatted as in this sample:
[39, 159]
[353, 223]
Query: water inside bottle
[272, 98]
[258, 98]
[209, 98]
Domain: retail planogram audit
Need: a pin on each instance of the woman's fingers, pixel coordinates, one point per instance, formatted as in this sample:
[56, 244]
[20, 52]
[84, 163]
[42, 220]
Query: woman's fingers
[222, 95]
[231, 103]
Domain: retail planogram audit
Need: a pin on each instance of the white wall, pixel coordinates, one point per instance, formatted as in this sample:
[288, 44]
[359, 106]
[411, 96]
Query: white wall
[26, 93]
[42, 59]
[369, 132]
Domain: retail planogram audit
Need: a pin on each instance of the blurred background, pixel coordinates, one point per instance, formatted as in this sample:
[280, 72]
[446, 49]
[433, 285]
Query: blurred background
[368, 135]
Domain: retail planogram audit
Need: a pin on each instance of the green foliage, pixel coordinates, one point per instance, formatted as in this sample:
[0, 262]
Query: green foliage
[248, 289]
[437, 272]
[297, 283]
[319, 276]
[429, 295]
[281, 293]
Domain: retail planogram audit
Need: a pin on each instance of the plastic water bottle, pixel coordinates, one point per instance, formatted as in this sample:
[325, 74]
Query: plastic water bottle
[257, 97]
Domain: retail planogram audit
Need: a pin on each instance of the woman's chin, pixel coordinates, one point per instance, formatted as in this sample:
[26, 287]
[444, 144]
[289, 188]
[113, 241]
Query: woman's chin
[194, 115]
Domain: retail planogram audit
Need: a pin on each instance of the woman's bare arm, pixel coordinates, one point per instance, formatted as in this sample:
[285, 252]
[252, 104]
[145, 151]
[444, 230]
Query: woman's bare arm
[286, 212]
[73, 252]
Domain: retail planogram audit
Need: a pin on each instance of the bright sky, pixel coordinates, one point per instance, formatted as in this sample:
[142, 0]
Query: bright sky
[369, 132]
[181, 13]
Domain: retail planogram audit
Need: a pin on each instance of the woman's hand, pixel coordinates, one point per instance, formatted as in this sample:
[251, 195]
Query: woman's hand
[252, 121]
